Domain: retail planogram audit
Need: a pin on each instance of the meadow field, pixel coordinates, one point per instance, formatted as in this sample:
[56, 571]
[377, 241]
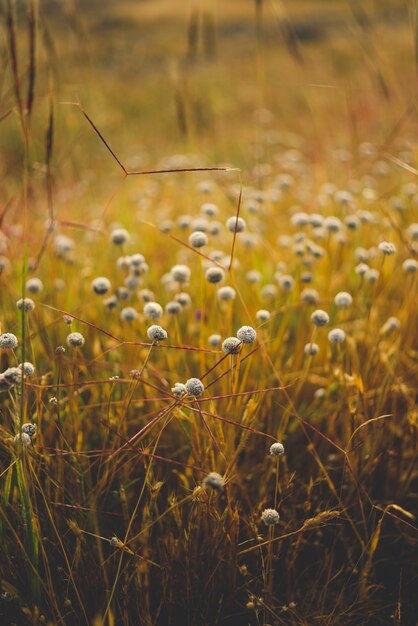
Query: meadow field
[208, 313]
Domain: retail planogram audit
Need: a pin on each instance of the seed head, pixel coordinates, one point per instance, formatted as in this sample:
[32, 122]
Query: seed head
[75, 340]
[270, 517]
[110, 303]
[183, 298]
[320, 318]
[213, 481]
[410, 266]
[13, 375]
[194, 387]
[391, 324]
[214, 341]
[146, 295]
[277, 449]
[25, 304]
[101, 285]
[181, 273]
[153, 310]
[332, 224]
[336, 335]
[209, 209]
[343, 299]
[27, 368]
[157, 333]
[198, 239]
[247, 334]
[34, 285]
[179, 390]
[8, 341]
[235, 224]
[253, 277]
[173, 307]
[309, 296]
[119, 236]
[128, 314]
[29, 429]
[23, 438]
[311, 349]
[387, 247]
[214, 274]
[231, 345]
[226, 294]
[372, 275]
[286, 282]
[263, 315]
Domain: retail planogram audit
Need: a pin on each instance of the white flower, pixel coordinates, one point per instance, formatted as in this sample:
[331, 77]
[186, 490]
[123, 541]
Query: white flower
[277, 449]
[8, 341]
[235, 224]
[214, 274]
[231, 345]
[198, 239]
[153, 310]
[157, 333]
[119, 236]
[343, 299]
[101, 285]
[214, 481]
[387, 247]
[181, 273]
[270, 517]
[320, 318]
[128, 314]
[311, 349]
[75, 340]
[247, 334]
[194, 387]
[336, 335]
[25, 304]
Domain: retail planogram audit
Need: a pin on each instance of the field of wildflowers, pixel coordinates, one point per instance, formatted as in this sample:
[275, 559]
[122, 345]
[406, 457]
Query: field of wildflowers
[208, 313]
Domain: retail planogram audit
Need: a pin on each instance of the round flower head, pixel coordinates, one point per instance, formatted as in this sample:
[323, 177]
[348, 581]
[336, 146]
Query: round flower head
[391, 324]
[119, 236]
[179, 390]
[183, 298]
[153, 310]
[247, 334]
[231, 345]
[286, 282]
[173, 307]
[194, 387]
[128, 314]
[146, 295]
[132, 282]
[214, 341]
[235, 224]
[277, 449]
[215, 228]
[214, 274]
[361, 269]
[372, 275]
[336, 335]
[101, 285]
[309, 296]
[25, 304]
[263, 315]
[199, 223]
[29, 429]
[4, 264]
[343, 299]
[332, 224]
[13, 375]
[253, 277]
[214, 481]
[270, 517]
[34, 285]
[75, 340]
[8, 341]
[410, 266]
[111, 303]
[387, 248]
[198, 239]
[209, 209]
[122, 293]
[311, 349]
[268, 292]
[181, 273]
[320, 318]
[27, 368]
[226, 294]
[156, 333]
[136, 260]
[23, 438]
[307, 277]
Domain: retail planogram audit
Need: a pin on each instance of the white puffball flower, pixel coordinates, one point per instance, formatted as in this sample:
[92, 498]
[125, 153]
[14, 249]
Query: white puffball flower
[101, 285]
[263, 315]
[391, 324]
[336, 335]
[8, 341]
[75, 340]
[320, 318]
[119, 236]
[25, 304]
[183, 298]
[410, 266]
[34, 285]
[128, 314]
[214, 481]
[247, 334]
[372, 275]
[173, 307]
[387, 247]
[231, 345]
[179, 390]
[270, 517]
[343, 299]
[27, 368]
[198, 239]
[226, 294]
[153, 310]
[157, 333]
[13, 375]
[181, 273]
[29, 428]
[277, 449]
[23, 438]
[309, 296]
[235, 224]
[214, 274]
[194, 387]
[286, 282]
[311, 349]
[209, 208]
[215, 340]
